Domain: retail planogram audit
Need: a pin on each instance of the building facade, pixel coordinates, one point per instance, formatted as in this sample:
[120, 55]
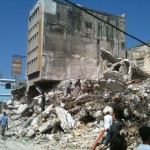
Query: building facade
[5, 89]
[19, 90]
[140, 56]
[64, 42]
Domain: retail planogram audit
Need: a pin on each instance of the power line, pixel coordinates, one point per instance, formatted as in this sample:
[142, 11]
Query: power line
[107, 23]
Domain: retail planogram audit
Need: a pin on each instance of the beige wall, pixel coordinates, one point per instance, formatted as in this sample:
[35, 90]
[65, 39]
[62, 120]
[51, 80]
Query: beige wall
[139, 53]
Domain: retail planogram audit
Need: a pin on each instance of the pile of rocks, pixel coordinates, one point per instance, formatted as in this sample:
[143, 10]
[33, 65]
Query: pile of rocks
[74, 121]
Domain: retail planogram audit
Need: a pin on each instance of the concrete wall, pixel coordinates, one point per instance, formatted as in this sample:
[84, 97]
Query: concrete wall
[71, 42]
[5, 94]
[140, 53]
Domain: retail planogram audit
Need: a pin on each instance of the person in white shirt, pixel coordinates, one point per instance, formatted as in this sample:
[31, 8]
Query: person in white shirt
[144, 133]
[108, 120]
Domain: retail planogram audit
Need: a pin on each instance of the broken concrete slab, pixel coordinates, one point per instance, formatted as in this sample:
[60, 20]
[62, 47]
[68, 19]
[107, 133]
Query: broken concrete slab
[47, 110]
[107, 109]
[106, 55]
[74, 110]
[22, 108]
[36, 121]
[114, 75]
[67, 122]
[83, 96]
[138, 73]
[30, 133]
[10, 102]
[69, 105]
[15, 117]
[47, 125]
[115, 86]
[102, 84]
[27, 123]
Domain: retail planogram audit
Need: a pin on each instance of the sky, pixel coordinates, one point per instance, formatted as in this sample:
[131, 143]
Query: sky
[14, 24]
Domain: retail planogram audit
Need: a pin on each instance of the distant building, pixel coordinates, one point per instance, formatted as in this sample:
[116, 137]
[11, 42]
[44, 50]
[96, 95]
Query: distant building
[140, 56]
[19, 90]
[5, 89]
[64, 43]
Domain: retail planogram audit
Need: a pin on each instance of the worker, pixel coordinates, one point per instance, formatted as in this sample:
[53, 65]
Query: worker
[43, 102]
[77, 88]
[78, 83]
[4, 124]
[108, 120]
[68, 89]
[117, 141]
[144, 133]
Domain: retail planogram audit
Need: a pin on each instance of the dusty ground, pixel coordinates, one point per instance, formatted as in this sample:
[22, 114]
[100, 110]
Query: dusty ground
[10, 144]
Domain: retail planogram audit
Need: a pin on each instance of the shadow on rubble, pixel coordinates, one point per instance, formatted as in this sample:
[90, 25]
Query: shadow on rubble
[87, 118]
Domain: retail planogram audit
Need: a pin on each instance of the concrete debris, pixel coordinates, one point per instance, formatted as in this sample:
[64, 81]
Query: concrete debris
[27, 123]
[15, 117]
[35, 122]
[106, 55]
[114, 85]
[22, 109]
[47, 110]
[108, 109]
[83, 96]
[47, 125]
[10, 102]
[67, 121]
[30, 133]
[74, 122]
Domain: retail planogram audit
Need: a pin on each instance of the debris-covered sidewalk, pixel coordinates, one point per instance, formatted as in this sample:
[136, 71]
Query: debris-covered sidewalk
[11, 144]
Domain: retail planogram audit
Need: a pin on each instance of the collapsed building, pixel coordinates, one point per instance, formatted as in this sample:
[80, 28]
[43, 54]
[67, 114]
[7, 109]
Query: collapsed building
[75, 121]
[68, 45]
[64, 43]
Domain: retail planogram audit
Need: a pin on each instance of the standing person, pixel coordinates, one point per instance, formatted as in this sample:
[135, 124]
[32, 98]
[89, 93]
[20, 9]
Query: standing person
[108, 120]
[43, 101]
[4, 123]
[68, 89]
[144, 133]
[117, 141]
[78, 83]
[77, 87]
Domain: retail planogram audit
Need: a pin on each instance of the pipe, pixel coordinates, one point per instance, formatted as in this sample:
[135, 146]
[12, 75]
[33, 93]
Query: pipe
[97, 140]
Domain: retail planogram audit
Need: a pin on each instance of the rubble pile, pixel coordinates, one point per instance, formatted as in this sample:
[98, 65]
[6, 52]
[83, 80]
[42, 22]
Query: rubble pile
[74, 121]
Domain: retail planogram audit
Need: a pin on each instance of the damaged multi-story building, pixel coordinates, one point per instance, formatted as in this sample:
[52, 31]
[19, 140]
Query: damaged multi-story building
[64, 42]
[140, 56]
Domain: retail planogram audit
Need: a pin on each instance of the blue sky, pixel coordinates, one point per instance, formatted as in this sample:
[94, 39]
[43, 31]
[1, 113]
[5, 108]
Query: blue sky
[14, 17]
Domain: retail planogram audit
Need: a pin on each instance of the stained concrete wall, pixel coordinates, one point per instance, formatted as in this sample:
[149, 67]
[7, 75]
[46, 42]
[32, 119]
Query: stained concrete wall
[72, 42]
[140, 52]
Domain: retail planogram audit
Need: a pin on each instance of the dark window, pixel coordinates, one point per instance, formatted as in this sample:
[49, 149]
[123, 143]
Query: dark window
[123, 45]
[99, 30]
[140, 62]
[87, 35]
[7, 86]
[88, 25]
